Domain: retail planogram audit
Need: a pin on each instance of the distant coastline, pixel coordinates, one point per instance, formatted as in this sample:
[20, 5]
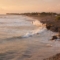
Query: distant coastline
[13, 14]
[49, 18]
[52, 21]
[45, 17]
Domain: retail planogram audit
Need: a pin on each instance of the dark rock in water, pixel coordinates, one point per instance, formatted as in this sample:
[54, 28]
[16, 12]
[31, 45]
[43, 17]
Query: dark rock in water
[58, 35]
[48, 26]
[54, 37]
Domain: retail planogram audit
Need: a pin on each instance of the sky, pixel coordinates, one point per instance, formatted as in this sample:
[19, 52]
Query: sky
[22, 6]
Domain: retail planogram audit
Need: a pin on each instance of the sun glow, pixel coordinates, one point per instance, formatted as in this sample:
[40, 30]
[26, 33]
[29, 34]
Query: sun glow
[29, 6]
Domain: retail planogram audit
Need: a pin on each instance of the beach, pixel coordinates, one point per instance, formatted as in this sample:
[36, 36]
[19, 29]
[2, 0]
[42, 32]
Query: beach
[35, 45]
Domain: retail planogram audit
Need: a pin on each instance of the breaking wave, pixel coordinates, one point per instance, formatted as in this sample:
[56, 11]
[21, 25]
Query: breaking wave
[21, 26]
[40, 29]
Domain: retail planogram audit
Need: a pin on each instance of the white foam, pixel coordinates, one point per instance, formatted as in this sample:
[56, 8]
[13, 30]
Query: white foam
[40, 29]
[34, 32]
[20, 21]
[37, 23]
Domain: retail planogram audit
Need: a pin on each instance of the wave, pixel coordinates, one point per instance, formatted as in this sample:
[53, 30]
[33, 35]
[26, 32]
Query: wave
[37, 23]
[40, 29]
[28, 34]
[31, 33]
[34, 32]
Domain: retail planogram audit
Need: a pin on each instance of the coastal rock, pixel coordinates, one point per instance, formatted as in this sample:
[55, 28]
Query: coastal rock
[48, 26]
[56, 37]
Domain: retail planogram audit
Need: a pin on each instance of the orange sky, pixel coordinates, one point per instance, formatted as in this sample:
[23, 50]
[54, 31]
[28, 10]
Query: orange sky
[19, 6]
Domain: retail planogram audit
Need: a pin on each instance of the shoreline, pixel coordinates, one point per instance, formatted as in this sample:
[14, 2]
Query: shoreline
[53, 29]
[36, 47]
[49, 21]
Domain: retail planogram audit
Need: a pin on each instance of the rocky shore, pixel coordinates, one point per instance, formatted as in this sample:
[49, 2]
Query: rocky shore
[53, 25]
[50, 21]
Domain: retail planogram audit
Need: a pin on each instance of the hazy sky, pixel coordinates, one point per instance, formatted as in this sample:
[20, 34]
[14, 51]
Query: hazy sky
[20, 6]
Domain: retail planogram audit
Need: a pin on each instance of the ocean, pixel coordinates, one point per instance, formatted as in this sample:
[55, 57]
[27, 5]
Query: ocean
[14, 25]
[25, 38]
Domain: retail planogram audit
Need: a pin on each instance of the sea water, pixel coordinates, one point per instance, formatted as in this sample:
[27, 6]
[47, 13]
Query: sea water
[16, 25]
[35, 43]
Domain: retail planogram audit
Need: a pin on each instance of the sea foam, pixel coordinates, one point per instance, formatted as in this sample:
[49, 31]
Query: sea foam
[37, 23]
[41, 28]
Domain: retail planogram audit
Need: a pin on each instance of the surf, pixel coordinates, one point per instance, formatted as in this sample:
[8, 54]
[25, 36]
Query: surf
[23, 26]
[40, 29]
